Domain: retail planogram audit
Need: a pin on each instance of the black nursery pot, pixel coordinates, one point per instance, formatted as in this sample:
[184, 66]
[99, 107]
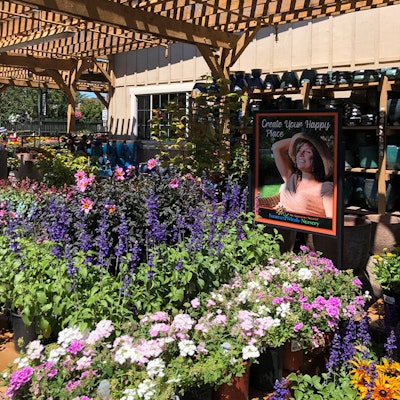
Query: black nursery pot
[289, 80]
[272, 81]
[308, 76]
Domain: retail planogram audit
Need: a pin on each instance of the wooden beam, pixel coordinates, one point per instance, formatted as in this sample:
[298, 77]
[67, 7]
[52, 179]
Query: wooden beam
[106, 104]
[126, 17]
[241, 45]
[27, 83]
[215, 63]
[19, 60]
[34, 38]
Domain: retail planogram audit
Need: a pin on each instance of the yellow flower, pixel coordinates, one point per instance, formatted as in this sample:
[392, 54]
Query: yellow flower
[389, 368]
[384, 389]
[361, 372]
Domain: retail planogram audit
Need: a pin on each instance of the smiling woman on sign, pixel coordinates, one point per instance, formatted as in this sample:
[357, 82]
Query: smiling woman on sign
[305, 163]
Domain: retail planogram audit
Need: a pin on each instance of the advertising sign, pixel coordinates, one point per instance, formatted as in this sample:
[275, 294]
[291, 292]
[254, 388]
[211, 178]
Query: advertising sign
[296, 170]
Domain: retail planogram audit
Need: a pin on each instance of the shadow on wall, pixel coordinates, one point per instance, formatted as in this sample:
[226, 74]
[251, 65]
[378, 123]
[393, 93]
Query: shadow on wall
[122, 127]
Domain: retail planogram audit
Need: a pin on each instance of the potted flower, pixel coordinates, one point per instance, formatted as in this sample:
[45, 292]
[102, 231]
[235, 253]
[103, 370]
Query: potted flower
[386, 268]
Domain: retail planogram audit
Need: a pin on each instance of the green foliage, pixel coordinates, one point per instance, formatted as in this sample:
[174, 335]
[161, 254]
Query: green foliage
[177, 274]
[91, 109]
[23, 103]
[325, 387]
[59, 166]
[210, 137]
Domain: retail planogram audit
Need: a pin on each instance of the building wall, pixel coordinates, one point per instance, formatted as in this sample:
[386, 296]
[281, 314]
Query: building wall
[358, 40]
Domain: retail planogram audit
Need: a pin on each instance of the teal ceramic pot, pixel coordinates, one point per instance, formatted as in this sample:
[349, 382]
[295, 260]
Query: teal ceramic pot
[368, 156]
[371, 194]
[350, 160]
[393, 157]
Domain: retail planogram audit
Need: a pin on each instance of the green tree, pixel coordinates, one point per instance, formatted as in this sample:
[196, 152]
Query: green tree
[22, 104]
[91, 110]
[18, 103]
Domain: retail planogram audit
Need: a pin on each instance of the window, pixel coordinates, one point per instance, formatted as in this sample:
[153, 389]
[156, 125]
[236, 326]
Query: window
[148, 103]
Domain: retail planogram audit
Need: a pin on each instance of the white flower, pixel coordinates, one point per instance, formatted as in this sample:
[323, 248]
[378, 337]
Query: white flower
[254, 285]
[186, 348]
[263, 310]
[68, 335]
[250, 351]
[304, 274]
[34, 349]
[283, 310]
[56, 354]
[274, 270]
[128, 352]
[277, 322]
[243, 296]
[367, 296]
[22, 362]
[129, 394]
[146, 389]
[156, 368]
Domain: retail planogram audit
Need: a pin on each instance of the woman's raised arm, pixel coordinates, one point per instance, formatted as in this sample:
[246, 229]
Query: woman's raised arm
[281, 157]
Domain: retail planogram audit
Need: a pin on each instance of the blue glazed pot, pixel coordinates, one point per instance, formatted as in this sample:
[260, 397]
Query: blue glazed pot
[368, 156]
[393, 157]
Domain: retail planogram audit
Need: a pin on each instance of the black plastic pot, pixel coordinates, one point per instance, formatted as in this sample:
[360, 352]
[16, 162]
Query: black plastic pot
[272, 81]
[22, 334]
[289, 80]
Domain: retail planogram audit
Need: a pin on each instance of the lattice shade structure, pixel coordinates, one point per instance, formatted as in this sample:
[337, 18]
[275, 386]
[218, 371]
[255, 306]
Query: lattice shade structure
[68, 44]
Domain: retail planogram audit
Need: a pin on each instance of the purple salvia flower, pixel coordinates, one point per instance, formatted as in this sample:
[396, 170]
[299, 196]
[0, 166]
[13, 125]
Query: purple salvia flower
[84, 239]
[102, 239]
[364, 336]
[349, 339]
[57, 228]
[281, 390]
[390, 346]
[196, 229]
[122, 237]
[134, 261]
[335, 358]
[156, 232]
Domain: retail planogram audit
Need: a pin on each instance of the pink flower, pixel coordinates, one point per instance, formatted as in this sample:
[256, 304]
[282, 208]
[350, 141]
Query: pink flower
[18, 379]
[75, 347]
[151, 163]
[86, 205]
[298, 326]
[356, 282]
[111, 208]
[156, 329]
[174, 183]
[119, 174]
[195, 303]
[79, 175]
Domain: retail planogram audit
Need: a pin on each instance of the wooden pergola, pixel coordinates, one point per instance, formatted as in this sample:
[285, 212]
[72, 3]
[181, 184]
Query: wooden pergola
[68, 44]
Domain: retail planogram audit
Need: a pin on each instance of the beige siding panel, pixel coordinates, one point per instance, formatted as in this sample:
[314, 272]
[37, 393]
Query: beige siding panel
[282, 50]
[389, 34]
[301, 46]
[343, 41]
[365, 41]
[189, 63]
[321, 43]
[153, 56]
[263, 43]
[176, 56]
[163, 67]
[141, 67]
